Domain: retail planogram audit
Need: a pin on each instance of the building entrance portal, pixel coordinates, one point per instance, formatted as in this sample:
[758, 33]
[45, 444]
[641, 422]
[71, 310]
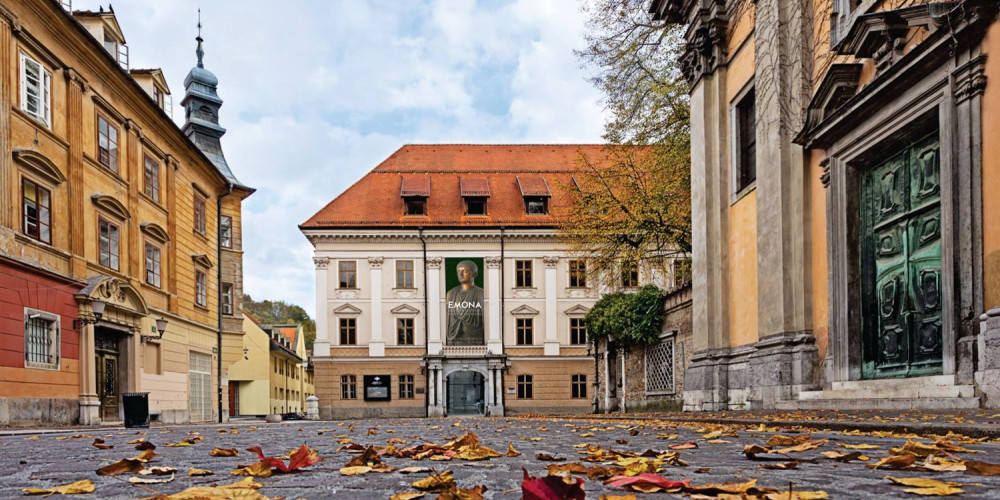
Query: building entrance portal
[466, 390]
[106, 364]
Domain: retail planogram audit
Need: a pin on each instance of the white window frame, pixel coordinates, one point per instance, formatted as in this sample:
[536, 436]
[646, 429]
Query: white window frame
[44, 90]
[55, 337]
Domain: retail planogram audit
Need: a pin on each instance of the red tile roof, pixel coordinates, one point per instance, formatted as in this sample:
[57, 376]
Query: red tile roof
[450, 169]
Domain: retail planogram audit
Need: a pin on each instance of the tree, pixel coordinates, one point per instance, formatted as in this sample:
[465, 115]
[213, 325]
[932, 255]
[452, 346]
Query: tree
[633, 203]
[278, 312]
[633, 318]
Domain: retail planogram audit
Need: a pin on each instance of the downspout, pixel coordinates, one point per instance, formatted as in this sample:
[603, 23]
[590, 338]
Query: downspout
[427, 369]
[218, 282]
[597, 378]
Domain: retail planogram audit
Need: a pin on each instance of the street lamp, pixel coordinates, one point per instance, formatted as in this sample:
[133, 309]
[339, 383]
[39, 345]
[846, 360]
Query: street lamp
[161, 327]
[97, 310]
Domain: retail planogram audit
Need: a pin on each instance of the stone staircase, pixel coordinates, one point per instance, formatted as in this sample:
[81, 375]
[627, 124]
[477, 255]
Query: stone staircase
[935, 392]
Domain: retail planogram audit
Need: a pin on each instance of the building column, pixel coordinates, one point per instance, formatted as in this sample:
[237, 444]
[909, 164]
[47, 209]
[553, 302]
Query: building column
[433, 270]
[90, 405]
[551, 314]
[494, 342]
[321, 346]
[376, 344]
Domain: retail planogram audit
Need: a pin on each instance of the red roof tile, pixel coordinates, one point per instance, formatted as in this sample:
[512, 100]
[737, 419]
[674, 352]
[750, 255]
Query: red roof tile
[415, 186]
[533, 185]
[474, 186]
[375, 200]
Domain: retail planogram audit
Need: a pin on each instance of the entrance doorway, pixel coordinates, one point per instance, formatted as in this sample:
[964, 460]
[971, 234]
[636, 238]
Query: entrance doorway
[465, 393]
[901, 264]
[107, 350]
[234, 398]
[200, 386]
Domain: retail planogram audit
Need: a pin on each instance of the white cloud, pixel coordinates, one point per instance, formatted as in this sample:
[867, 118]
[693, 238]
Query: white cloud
[318, 93]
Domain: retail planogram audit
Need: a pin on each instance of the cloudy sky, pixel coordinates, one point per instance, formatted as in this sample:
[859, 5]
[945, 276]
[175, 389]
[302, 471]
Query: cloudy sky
[318, 92]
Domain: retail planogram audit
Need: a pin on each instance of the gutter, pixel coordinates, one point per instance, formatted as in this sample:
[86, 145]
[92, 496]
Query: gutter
[218, 281]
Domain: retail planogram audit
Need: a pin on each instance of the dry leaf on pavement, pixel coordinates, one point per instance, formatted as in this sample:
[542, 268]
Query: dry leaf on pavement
[355, 470]
[894, 462]
[511, 451]
[157, 471]
[436, 482]
[123, 465]
[474, 493]
[240, 490]
[407, 495]
[414, 470]
[982, 468]
[548, 458]
[150, 480]
[551, 488]
[199, 472]
[99, 444]
[647, 483]
[259, 469]
[304, 456]
[223, 452]
[83, 486]
[630, 496]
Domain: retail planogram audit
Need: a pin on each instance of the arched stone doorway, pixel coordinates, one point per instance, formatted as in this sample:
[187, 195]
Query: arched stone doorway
[466, 393]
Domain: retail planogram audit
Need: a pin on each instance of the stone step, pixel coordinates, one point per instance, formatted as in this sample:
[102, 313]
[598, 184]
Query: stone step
[879, 391]
[936, 380]
[880, 404]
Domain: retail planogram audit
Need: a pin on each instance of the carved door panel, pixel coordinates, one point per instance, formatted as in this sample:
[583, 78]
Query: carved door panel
[106, 365]
[901, 264]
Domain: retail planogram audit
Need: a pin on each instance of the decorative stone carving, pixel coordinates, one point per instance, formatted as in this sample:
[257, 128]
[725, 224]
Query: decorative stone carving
[493, 262]
[375, 262]
[550, 261]
[75, 78]
[111, 291]
[825, 177]
[434, 262]
[970, 79]
[321, 262]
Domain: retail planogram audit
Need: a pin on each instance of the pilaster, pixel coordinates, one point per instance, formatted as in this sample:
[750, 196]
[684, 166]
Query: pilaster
[376, 344]
[76, 87]
[171, 166]
[433, 270]
[321, 346]
[551, 313]
[90, 405]
[7, 180]
[133, 167]
[494, 342]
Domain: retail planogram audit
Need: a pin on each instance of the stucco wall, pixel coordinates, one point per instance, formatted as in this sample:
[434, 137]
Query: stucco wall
[991, 171]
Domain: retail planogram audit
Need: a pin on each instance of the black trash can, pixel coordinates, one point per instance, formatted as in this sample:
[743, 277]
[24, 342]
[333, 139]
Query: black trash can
[136, 406]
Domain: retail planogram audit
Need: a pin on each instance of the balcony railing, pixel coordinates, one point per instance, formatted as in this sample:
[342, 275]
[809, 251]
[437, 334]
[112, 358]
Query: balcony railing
[464, 350]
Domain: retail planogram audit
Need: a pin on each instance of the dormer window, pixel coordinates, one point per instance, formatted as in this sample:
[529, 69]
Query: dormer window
[415, 191]
[475, 206]
[475, 192]
[111, 45]
[536, 194]
[118, 50]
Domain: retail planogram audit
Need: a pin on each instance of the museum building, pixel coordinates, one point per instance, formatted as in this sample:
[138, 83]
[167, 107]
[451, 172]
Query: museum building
[443, 286]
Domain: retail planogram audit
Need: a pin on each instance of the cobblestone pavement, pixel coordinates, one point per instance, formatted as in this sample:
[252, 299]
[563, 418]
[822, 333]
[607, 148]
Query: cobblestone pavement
[46, 460]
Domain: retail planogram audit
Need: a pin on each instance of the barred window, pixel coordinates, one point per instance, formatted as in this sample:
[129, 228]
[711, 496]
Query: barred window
[404, 274]
[578, 386]
[406, 387]
[41, 339]
[524, 383]
[348, 331]
[348, 387]
[404, 331]
[348, 273]
[522, 274]
[660, 367]
[577, 331]
[525, 331]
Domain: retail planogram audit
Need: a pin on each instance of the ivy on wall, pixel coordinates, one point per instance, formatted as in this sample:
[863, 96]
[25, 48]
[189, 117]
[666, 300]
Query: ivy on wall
[633, 318]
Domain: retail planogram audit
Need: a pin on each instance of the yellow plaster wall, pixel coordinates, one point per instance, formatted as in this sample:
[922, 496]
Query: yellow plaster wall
[991, 170]
[743, 271]
[818, 251]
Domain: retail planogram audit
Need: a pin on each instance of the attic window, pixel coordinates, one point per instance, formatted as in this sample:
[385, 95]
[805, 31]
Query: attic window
[415, 191]
[536, 193]
[475, 206]
[536, 205]
[416, 205]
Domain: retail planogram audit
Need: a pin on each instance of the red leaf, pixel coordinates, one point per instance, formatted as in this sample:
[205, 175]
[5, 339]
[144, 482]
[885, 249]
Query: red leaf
[302, 457]
[646, 479]
[551, 488]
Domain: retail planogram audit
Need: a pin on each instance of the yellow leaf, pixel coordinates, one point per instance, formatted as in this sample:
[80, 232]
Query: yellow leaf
[798, 495]
[259, 469]
[355, 471]
[938, 491]
[83, 486]
[511, 451]
[199, 472]
[804, 446]
[618, 497]
[223, 452]
[859, 446]
[407, 495]
[240, 490]
[157, 471]
[894, 462]
[779, 440]
[150, 480]
[436, 482]
[920, 482]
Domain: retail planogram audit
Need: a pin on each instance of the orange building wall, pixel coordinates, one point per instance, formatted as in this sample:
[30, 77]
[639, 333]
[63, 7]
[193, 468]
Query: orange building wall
[817, 251]
[743, 271]
[991, 171]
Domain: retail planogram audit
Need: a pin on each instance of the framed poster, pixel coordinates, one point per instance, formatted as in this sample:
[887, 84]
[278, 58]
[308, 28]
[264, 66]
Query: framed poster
[378, 387]
[464, 301]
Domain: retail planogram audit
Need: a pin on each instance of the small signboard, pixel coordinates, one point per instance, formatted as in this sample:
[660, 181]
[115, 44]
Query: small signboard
[378, 387]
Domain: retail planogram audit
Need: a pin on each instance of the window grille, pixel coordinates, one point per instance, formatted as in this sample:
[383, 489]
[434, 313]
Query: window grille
[41, 340]
[660, 367]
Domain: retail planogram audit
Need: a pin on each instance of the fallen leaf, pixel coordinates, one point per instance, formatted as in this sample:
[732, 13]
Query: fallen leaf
[548, 458]
[595, 472]
[356, 470]
[150, 480]
[145, 445]
[683, 446]
[859, 446]
[894, 462]
[123, 465]
[157, 471]
[259, 469]
[223, 452]
[647, 483]
[797, 495]
[937, 491]
[302, 457]
[920, 482]
[618, 497]
[474, 493]
[199, 472]
[804, 446]
[99, 444]
[551, 488]
[779, 440]
[436, 482]
[783, 466]
[511, 451]
[845, 457]
[244, 489]
[414, 470]
[407, 495]
[732, 488]
[982, 468]
[82, 486]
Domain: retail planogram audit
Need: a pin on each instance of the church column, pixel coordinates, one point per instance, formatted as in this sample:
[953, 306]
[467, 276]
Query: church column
[551, 315]
[376, 345]
[321, 347]
[434, 342]
[494, 343]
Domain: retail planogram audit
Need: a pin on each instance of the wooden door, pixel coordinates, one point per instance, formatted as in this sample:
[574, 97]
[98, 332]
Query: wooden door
[106, 365]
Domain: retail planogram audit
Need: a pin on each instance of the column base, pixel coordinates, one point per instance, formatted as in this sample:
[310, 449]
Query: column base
[90, 410]
[435, 411]
[552, 348]
[376, 349]
[495, 410]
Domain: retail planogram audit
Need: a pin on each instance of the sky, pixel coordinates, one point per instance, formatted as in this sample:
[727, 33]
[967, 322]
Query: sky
[319, 92]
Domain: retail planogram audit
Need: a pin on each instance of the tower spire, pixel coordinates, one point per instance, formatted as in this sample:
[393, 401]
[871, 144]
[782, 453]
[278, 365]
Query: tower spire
[199, 52]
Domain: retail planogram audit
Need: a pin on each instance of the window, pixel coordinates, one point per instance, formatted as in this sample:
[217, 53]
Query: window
[404, 331]
[475, 206]
[348, 331]
[151, 184]
[199, 213]
[404, 274]
[109, 244]
[41, 339]
[536, 205]
[577, 274]
[682, 271]
[152, 265]
[37, 211]
[348, 387]
[201, 289]
[578, 386]
[525, 331]
[226, 231]
[523, 274]
[630, 274]
[577, 331]
[111, 46]
[660, 367]
[746, 142]
[416, 206]
[406, 387]
[36, 85]
[348, 271]
[107, 144]
[227, 299]
[524, 387]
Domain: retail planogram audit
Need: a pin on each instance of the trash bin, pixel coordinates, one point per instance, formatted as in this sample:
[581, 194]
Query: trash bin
[136, 409]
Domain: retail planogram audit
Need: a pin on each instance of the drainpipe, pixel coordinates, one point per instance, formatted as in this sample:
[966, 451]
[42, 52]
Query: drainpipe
[218, 282]
[427, 369]
[597, 378]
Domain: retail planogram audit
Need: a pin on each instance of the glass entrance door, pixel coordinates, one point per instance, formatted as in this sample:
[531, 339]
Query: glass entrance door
[465, 393]
[901, 263]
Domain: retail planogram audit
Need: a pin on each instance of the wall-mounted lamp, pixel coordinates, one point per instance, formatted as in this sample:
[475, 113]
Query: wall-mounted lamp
[161, 328]
[97, 308]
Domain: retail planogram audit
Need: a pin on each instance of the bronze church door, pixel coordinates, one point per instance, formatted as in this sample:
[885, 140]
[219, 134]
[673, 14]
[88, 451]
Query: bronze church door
[901, 264]
[106, 349]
